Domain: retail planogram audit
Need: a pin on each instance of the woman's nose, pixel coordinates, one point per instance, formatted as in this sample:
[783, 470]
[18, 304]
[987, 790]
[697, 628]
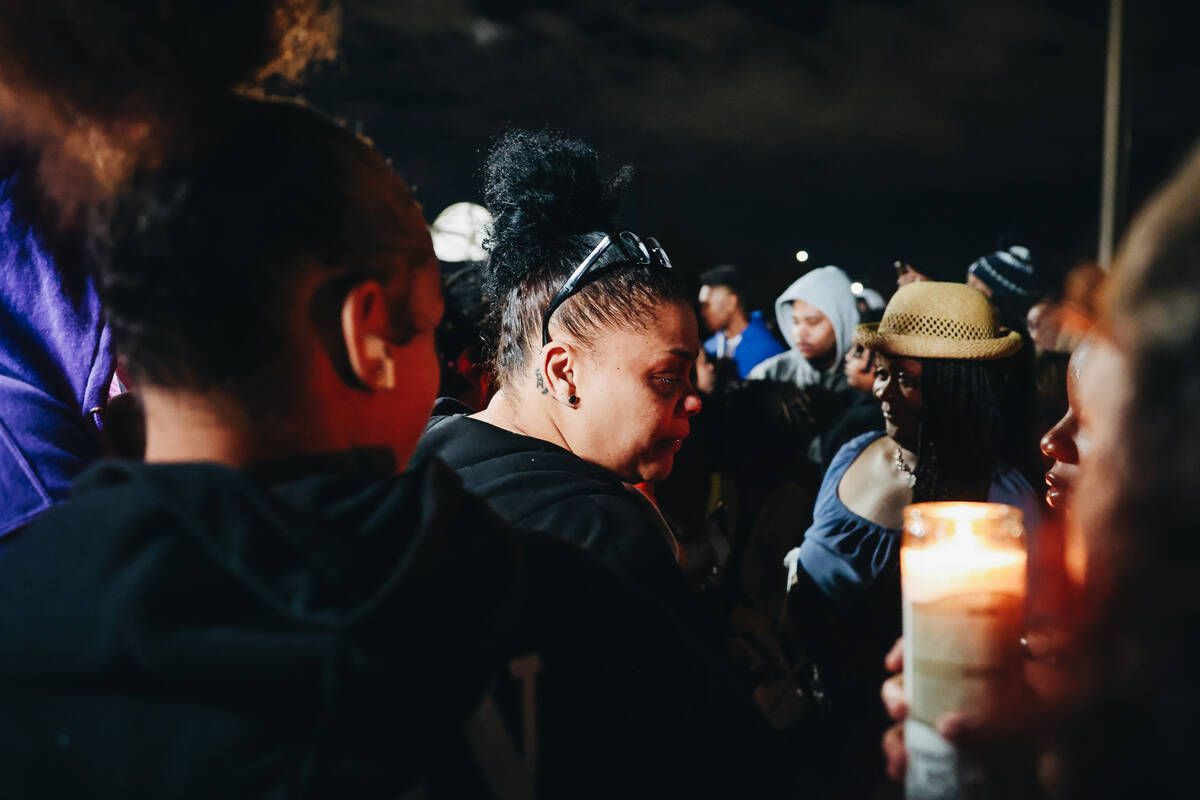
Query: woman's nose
[1059, 442]
[692, 403]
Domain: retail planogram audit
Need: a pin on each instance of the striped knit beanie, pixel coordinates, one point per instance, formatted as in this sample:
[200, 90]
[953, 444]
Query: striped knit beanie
[1008, 273]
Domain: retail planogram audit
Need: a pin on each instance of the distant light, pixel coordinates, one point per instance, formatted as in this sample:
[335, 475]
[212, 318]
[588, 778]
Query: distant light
[802, 256]
[856, 288]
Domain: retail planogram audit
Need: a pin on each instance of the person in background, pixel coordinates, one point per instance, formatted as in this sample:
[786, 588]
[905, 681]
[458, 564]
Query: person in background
[1006, 276]
[1008, 279]
[927, 269]
[593, 356]
[863, 413]
[820, 314]
[738, 333]
[906, 274]
[869, 300]
[942, 362]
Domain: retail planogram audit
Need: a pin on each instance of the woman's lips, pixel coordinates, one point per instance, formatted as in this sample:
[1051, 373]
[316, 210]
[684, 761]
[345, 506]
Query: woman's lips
[1058, 489]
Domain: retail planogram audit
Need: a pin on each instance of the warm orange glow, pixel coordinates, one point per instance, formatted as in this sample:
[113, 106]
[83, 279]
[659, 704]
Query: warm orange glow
[962, 548]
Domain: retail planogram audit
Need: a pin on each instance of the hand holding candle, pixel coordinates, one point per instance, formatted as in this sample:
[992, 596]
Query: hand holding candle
[963, 577]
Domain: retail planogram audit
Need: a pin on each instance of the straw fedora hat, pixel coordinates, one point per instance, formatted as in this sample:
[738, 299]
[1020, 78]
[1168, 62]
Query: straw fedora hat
[927, 319]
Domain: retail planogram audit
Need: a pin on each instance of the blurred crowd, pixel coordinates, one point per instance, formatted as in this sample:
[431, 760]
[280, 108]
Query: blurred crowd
[305, 495]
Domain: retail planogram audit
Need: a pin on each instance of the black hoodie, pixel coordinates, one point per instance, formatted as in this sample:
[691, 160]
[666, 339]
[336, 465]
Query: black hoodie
[539, 486]
[325, 628]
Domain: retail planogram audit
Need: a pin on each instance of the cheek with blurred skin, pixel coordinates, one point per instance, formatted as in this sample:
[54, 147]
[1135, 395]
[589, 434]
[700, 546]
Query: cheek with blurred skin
[1101, 477]
[418, 372]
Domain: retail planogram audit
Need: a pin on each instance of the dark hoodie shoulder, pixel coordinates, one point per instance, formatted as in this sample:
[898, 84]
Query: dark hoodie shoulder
[536, 485]
[327, 629]
[191, 625]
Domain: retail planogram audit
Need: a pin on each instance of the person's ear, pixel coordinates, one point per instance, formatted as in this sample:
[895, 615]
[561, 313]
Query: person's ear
[557, 373]
[365, 329]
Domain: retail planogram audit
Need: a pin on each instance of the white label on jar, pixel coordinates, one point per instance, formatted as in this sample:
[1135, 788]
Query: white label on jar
[958, 649]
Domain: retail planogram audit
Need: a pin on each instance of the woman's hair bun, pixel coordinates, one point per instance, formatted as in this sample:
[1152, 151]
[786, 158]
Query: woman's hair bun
[541, 189]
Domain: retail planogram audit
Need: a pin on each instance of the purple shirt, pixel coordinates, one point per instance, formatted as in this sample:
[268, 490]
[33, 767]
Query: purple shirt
[56, 363]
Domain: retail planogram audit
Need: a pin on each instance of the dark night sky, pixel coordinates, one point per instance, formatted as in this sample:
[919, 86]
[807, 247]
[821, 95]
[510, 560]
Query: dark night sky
[860, 131]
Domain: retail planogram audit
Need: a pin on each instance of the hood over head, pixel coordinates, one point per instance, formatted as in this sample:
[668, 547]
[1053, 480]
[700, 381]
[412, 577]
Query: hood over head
[827, 288]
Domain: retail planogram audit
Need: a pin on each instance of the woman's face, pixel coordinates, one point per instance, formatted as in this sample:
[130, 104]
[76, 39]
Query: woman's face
[1063, 442]
[636, 395]
[898, 390]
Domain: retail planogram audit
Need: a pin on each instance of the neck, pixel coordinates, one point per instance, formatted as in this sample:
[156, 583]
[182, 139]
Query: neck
[186, 427]
[737, 323]
[824, 363]
[182, 426]
[522, 410]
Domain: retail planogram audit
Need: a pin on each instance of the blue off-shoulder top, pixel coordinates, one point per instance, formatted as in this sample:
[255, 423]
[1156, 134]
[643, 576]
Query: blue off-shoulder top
[845, 554]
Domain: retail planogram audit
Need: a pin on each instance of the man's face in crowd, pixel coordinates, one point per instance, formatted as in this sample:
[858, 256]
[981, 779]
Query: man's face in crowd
[717, 305]
[812, 332]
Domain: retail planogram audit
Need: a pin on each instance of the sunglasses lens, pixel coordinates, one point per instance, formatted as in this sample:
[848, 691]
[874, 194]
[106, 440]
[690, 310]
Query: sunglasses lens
[657, 250]
[634, 249]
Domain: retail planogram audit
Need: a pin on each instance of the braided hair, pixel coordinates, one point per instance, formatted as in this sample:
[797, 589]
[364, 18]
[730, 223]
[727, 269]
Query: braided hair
[965, 428]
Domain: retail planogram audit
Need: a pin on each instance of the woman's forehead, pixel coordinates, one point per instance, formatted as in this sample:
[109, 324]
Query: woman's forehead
[671, 332]
[909, 365]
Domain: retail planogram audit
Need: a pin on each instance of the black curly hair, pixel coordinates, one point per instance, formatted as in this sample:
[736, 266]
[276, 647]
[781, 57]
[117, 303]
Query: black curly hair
[200, 263]
[551, 206]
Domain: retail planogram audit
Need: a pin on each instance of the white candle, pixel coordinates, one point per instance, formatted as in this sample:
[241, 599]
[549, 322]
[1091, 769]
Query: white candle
[963, 578]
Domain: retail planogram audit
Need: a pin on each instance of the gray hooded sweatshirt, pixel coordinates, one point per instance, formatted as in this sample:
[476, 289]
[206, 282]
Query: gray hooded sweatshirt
[828, 289]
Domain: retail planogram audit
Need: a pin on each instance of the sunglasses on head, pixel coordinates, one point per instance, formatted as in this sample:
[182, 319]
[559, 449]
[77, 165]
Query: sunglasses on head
[634, 252]
[901, 268]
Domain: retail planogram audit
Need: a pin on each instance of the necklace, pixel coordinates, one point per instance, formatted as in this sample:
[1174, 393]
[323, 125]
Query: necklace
[910, 477]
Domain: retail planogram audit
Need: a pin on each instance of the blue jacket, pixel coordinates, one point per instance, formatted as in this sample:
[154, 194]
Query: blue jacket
[756, 345]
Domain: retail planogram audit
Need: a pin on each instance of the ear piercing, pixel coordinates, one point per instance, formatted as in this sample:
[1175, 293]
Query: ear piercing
[572, 400]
